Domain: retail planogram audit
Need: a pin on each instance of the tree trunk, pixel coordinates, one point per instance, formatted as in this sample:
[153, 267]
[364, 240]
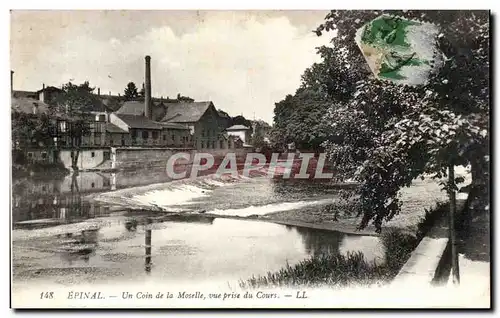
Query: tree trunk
[455, 270]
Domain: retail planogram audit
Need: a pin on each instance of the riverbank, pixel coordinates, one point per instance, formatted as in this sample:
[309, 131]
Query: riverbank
[423, 195]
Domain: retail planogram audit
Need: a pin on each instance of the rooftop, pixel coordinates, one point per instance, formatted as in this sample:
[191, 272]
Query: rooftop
[25, 105]
[114, 129]
[238, 127]
[173, 126]
[185, 112]
[135, 121]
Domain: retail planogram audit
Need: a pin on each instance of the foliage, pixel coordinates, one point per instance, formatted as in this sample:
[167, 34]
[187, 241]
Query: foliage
[187, 99]
[29, 130]
[327, 269]
[261, 131]
[389, 135]
[240, 120]
[398, 247]
[300, 118]
[130, 92]
[75, 103]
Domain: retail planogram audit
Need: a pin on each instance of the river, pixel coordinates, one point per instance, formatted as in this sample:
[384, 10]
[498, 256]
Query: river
[82, 229]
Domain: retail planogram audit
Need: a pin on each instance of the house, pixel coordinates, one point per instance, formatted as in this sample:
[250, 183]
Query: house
[141, 130]
[150, 132]
[240, 131]
[203, 121]
[48, 94]
[26, 146]
[185, 123]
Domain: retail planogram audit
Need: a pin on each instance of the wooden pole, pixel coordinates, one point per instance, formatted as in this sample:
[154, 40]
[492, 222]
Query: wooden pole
[455, 270]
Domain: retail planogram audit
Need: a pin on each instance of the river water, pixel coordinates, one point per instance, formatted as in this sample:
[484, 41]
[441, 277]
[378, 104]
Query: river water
[81, 229]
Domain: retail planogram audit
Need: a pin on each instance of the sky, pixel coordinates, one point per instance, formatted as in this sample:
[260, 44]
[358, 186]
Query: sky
[242, 61]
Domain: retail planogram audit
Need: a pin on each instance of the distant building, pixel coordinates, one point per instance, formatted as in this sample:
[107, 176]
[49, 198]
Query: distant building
[240, 131]
[148, 122]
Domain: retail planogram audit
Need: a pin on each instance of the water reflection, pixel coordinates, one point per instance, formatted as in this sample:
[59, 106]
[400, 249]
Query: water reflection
[59, 229]
[148, 233]
[57, 201]
[320, 242]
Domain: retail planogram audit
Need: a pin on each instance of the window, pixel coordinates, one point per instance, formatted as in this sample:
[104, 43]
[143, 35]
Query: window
[134, 133]
[92, 154]
[44, 155]
[62, 126]
[213, 144]
[202, 145]
[164, 137]
[203, 133]
[155, 135]
[145, 134]
[93, 185]
[173, 137]
[99, 127]
[221, 144]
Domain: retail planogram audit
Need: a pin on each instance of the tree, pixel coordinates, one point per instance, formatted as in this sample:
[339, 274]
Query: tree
[393, 134]
[300, 119]
[186, 99]
[75, 102]
[130, 92]
[240, 120]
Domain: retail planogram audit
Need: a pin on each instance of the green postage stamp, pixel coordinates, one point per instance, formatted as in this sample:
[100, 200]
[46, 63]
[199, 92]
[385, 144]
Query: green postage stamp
[400, 50]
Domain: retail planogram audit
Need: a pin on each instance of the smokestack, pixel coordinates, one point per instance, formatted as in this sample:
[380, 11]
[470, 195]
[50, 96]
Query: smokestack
[147, 91]
[98, 91]
[11, 82]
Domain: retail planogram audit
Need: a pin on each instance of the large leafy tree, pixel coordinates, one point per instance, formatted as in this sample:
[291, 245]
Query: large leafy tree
[75, 102]
[393, 134]
[300, 119]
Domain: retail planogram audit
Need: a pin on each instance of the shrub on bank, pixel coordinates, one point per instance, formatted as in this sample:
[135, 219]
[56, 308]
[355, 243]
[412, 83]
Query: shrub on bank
[328, 269]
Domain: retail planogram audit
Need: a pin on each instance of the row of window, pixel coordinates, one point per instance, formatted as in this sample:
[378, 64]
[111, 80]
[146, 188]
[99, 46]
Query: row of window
[209, 132]
[155, 135]
[211, 144]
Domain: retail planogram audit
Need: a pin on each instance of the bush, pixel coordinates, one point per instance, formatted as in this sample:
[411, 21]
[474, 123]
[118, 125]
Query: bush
[430, 218]
[328, 269]
[398, 248]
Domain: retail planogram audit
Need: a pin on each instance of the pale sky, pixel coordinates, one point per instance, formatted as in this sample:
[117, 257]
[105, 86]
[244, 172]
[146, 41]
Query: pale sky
[243, 61]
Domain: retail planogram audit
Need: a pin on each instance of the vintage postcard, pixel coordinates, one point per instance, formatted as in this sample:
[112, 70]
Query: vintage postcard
[250, 159]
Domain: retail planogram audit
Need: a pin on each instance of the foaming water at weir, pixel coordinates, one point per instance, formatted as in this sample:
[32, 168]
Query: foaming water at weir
[269, 208]
[170, 194]
[225, 195]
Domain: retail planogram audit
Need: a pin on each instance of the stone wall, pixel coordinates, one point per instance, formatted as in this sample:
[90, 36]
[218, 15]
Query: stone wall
[134, 158]
[87, 159]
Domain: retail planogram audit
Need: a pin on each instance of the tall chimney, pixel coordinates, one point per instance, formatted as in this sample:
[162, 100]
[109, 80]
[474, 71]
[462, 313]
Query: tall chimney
[147, 91]
[98, 91]
[11, 82]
